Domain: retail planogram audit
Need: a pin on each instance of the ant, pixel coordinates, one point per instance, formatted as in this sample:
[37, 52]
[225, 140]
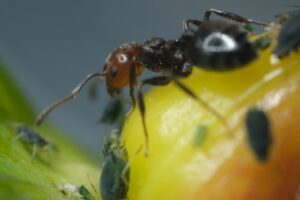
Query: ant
[216, 45]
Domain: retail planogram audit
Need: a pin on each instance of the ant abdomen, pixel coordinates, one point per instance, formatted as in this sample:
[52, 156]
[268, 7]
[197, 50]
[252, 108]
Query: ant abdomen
[218, 46]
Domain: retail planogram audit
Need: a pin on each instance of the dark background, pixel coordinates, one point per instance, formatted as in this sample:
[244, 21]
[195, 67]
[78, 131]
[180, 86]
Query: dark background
[52, 45]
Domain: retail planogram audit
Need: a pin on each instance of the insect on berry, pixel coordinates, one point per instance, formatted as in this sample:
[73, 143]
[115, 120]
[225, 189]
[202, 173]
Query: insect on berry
[289, 37]
[259, 134]
[114, 176]
[216, 45]
[114, 180]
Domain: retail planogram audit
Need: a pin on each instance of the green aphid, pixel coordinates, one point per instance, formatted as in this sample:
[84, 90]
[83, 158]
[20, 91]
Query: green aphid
[262, 43]
[200, 136]
[114, 177]
[84, 193]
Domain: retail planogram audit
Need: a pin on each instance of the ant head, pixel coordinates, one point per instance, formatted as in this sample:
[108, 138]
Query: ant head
[118, 64]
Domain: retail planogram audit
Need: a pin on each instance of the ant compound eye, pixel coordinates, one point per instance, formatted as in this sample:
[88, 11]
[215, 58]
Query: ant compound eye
[113, 71]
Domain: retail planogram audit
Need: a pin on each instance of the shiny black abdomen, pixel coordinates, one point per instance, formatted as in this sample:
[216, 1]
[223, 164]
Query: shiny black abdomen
[218, 46]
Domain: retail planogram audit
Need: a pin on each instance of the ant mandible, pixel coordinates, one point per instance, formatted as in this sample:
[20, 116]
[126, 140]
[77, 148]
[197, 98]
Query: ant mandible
[175, 58]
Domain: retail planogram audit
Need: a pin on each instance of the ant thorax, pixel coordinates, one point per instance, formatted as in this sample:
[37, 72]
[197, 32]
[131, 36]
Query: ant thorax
[160, 55]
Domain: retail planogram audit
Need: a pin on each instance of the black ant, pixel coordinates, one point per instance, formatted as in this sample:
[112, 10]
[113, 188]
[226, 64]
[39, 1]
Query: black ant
[216, 45]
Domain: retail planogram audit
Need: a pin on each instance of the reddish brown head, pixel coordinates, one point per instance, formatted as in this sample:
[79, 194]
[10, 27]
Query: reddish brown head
[118, 64]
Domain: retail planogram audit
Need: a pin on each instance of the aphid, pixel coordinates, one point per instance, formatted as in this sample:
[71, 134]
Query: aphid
[262, 43]
[289, 37]
[200, 136]
[84, 193]
[114, 176]
[114, 112]
[114, 180]
[31, 137]
[216, 45]
[259, 134]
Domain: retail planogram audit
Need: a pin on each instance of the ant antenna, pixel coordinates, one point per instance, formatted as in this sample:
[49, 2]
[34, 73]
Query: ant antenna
[73, 95]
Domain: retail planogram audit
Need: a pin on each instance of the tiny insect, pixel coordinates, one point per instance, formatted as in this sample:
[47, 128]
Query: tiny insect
[216, 45]
[289, 37]
[259, 134]
[114, 180]
[200, 136]
[31, 137]
[84, 193]
[114, 177]
[113, 113]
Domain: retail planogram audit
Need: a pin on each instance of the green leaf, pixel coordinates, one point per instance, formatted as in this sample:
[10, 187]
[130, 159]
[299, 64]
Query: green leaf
[60, 163]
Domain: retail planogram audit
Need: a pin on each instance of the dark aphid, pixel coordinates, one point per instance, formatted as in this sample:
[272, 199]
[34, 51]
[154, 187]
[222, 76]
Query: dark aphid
[31, 137]
[259, 134]
[114, 112]
[262, 43]
[289, 37]
[114, 176]
[84, 193]
[216, 45]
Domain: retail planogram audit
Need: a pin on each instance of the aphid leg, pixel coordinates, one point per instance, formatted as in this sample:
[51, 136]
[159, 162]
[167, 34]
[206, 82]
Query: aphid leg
[73, 95]
[231, 16]
[35, 149]
[126, 168]
[132, 83]
[206, 106]
[186, 24]
[21, 134]
[158, 80]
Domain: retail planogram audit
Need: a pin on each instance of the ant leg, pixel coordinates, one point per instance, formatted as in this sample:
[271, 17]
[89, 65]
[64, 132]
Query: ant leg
[205, 105]
[231, 16]
[73, 95]
[158, 80]
[126, 168]
[132, 83]
[35, 149]
[186, 24]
